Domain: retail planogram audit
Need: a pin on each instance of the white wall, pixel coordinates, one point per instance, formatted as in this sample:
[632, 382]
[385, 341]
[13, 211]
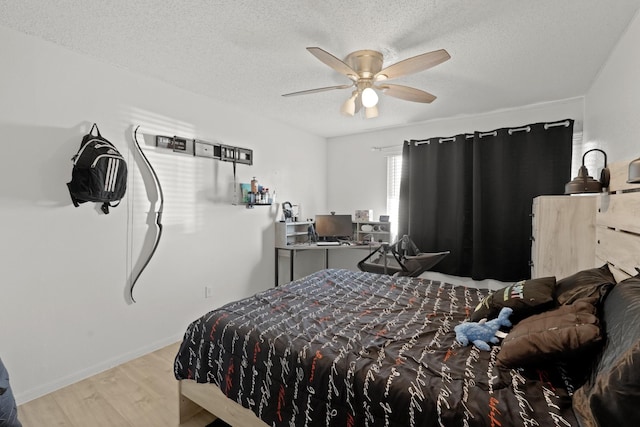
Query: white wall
[612, 106]
[352, 161]
[63, 309]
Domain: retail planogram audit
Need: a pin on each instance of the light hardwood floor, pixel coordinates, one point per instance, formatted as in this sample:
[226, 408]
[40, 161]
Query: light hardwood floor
[139, 393]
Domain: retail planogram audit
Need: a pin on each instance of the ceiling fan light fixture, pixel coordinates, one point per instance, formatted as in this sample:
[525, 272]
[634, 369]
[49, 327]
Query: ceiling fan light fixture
[349, 106]
[369, 97]
[371, 112]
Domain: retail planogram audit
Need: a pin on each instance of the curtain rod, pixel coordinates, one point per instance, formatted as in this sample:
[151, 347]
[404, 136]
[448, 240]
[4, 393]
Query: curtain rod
[385, 147]
[527, 128]
[566, 123]
[440, 141]
[492, 133]
[546, 126]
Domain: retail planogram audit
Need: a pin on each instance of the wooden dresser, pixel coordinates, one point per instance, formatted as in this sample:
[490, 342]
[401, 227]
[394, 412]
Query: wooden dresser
[563, 235]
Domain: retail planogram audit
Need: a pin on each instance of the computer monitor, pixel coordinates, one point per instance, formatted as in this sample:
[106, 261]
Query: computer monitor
[333, 227]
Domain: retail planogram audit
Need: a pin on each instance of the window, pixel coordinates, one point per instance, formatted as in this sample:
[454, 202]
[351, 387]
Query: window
[394, 173]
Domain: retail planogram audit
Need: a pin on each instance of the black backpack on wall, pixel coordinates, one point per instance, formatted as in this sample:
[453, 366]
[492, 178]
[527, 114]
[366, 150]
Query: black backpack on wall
[99, 172]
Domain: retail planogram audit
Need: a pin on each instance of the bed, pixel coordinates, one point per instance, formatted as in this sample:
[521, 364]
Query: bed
[345, 348]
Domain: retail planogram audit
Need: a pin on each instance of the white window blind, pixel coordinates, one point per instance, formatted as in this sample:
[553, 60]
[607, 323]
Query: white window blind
[394, 173]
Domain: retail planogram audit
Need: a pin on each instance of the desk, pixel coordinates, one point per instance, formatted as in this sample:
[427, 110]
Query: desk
[292, 249]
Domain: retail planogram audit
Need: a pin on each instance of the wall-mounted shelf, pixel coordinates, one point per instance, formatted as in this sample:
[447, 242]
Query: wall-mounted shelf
[259, 197]
[211, 150]
[251, 205]
[372, 231]
[250, 196]
[292, 233]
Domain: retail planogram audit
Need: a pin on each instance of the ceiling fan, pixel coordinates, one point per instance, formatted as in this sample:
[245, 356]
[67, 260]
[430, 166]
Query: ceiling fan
[364, 68]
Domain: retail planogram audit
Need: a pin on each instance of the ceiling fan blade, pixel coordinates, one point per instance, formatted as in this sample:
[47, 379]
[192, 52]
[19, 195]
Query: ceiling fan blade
[407, 93]
[320, 89]
[413, 65]
[333, 62]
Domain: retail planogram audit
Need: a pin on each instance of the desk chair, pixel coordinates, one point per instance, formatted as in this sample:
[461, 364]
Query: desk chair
[402, 258]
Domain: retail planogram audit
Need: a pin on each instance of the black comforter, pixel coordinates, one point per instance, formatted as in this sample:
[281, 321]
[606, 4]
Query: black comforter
[344, 348]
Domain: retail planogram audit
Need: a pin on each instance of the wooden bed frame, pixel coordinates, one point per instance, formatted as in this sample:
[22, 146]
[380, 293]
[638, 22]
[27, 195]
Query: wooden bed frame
[617, 243]
[196, 397]
[618, 224]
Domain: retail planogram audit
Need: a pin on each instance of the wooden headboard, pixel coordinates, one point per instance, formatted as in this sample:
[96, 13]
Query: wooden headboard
[618, 224]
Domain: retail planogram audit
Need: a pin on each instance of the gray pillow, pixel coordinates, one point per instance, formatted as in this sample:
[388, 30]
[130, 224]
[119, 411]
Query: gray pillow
[611, 396]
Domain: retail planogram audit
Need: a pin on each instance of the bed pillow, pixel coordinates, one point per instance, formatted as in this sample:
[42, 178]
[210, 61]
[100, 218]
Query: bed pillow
[585, 284]
[611, 395]
[526, 297]
[561, 333]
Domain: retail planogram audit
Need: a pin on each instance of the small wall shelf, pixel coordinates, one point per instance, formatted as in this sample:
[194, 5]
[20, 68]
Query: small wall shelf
[251, 205]
[260, 196]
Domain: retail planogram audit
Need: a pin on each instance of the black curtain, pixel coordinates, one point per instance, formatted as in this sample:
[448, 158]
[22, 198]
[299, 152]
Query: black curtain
[473, 196]
[436, 194]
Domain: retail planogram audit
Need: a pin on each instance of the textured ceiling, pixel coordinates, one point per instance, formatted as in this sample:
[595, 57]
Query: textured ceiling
[504, 53]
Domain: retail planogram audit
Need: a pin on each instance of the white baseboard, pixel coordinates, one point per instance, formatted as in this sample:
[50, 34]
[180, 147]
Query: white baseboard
[36, 392]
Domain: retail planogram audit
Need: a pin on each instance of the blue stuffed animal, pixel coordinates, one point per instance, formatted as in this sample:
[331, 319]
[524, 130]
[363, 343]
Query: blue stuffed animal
[483, 332]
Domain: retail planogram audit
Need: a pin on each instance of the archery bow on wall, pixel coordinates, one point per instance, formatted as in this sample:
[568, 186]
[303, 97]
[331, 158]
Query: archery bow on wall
[158, 222]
